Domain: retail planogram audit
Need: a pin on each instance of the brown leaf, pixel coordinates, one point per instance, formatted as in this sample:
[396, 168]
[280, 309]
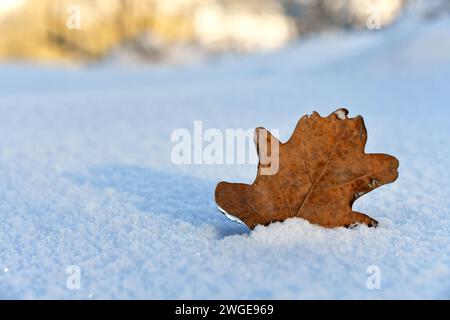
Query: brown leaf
[322, 170]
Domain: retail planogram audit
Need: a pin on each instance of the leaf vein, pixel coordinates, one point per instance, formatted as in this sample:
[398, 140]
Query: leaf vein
[323, 169]
[251, 206]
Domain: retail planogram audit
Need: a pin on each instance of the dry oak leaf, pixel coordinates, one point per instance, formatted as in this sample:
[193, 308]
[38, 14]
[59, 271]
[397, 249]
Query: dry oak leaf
[323, 169]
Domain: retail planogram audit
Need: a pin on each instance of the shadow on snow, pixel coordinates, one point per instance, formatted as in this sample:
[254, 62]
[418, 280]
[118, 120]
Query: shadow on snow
[181, 197]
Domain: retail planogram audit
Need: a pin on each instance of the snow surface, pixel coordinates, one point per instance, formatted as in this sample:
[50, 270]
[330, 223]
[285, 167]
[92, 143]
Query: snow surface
[86, 177]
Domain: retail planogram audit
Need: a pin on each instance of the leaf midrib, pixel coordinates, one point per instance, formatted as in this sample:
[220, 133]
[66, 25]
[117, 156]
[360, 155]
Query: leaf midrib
[311, 189]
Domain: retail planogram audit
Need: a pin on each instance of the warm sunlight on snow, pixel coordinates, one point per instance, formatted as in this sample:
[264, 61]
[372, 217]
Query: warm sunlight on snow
[7, 5]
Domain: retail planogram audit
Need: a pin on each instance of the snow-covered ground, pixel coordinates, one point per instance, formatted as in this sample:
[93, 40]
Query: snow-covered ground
[86, 177]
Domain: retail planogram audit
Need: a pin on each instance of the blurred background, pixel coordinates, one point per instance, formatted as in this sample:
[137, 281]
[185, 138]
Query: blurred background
[179, 31]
